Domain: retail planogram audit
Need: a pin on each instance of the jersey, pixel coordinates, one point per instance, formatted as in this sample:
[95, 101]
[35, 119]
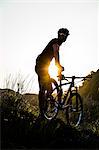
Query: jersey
[44, 59]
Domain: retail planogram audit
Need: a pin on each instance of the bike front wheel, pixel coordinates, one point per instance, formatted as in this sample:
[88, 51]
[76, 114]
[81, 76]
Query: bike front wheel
[51, 109]
[74, 111]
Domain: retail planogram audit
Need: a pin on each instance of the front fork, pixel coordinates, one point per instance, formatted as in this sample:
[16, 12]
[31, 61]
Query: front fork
[76, 100]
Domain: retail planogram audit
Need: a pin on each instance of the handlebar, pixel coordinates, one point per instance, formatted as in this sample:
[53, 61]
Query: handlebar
[73, 77]
[62, 77]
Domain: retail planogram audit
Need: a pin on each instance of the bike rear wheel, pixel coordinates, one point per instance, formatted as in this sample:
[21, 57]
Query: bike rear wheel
[74, 111]
[51, 109]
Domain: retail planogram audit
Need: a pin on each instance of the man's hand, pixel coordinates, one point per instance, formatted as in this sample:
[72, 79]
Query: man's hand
[60, 69]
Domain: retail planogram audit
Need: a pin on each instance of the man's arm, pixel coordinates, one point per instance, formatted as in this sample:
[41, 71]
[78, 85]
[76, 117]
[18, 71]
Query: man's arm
[56, 54]
[57, 57]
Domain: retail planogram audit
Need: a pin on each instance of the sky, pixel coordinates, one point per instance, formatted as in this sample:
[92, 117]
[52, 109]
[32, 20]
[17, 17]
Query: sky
[26, 27]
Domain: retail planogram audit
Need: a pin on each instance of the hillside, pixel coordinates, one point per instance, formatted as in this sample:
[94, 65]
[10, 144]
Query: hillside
[90, 87]
[21, 128]
[90, 94]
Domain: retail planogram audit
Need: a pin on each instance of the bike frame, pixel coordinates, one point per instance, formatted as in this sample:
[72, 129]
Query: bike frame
[69, 91]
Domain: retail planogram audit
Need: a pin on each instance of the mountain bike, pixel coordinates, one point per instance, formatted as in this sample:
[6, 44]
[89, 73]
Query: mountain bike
[68, 100]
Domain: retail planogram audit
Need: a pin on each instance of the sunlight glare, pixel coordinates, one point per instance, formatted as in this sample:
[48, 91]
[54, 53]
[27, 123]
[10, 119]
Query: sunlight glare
[53, 70]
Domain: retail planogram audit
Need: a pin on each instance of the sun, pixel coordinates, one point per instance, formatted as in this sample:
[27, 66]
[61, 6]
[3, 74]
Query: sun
[53, 70]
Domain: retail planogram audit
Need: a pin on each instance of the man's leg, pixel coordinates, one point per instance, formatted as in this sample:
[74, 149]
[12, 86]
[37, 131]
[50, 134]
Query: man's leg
[44, 84]
[41, 97]
[48, 84]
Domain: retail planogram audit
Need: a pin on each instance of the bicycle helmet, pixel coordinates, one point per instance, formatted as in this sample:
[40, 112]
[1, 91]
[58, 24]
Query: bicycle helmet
[64, 31]
[62, 34]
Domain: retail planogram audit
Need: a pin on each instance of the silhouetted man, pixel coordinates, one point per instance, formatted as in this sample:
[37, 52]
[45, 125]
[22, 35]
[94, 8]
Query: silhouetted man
[43, 61]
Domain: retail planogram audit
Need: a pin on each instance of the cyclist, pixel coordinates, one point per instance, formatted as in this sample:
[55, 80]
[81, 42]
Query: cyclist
[43, 61]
